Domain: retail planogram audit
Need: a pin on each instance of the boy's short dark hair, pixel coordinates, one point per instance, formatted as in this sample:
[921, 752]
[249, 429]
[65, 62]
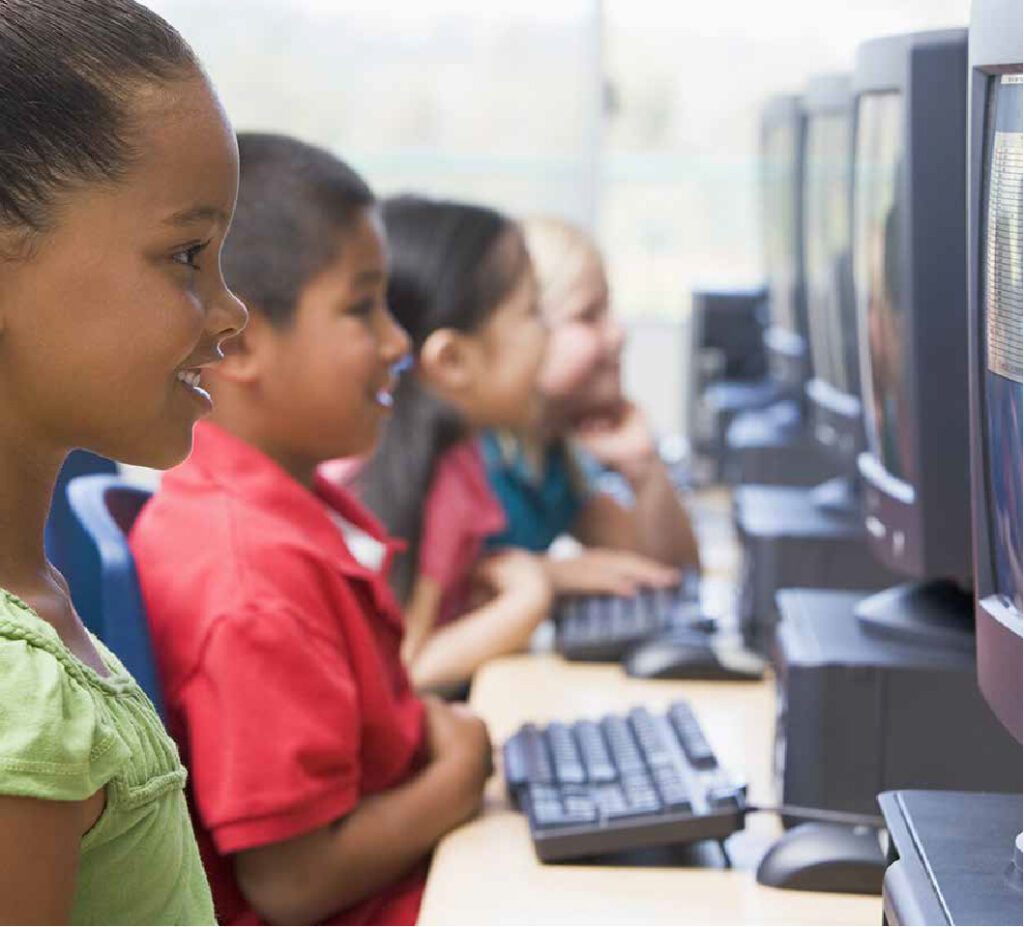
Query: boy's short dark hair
[293, 201]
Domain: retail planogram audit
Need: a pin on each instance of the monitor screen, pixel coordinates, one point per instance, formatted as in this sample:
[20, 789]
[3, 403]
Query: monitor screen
[1000, 277]
[878, 279]
[781, 174]
[827, 244]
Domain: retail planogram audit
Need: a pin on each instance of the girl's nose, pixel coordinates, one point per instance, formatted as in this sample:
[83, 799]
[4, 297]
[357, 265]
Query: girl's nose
[228, 316]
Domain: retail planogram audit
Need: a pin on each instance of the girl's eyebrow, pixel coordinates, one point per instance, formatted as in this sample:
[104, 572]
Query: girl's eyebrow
[370, 276]
[198, 214]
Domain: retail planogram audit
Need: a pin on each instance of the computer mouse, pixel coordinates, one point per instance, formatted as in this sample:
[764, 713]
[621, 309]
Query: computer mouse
[691, 656]
[825, 858]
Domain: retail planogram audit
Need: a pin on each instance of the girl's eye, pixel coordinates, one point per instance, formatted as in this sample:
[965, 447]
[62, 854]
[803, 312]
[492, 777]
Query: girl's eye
[187, 258]
[363, 309]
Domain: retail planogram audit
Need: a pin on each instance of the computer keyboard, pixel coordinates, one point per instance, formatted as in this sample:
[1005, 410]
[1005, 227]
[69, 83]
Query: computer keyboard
[604, 628]
[624, 782]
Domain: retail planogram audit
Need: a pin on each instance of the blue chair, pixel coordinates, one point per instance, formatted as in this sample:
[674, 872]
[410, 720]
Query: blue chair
[106, 507]
[67, 546]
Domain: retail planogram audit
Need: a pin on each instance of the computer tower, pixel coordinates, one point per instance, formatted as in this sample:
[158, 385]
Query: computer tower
[789, 541]
[859, 714]
[947, 860]
[773, 446]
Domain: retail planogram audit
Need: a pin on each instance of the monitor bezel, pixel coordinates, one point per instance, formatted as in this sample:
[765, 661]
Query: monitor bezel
[994, 49]
[835, 416]
[922, 528]
[788, 351]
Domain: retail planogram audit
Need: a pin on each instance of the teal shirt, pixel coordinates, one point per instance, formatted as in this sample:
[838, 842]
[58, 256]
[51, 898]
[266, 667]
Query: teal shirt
[541, 498]
[66, 732]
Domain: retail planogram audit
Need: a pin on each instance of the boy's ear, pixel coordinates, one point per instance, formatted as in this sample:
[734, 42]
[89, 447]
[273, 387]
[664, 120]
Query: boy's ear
[445, 361]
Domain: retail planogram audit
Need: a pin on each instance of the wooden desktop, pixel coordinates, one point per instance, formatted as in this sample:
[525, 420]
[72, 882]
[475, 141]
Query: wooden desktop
[486, 872]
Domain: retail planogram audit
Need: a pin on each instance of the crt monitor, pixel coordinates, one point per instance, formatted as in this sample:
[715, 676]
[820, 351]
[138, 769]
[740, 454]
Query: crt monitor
[834, 390]
[994, 293]
[909, 257]
[782, 153]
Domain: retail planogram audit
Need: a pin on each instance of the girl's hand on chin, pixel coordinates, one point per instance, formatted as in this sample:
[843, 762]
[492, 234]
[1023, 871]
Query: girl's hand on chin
[621, 440]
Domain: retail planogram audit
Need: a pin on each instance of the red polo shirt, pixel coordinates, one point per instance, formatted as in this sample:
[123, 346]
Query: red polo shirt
[279, 656]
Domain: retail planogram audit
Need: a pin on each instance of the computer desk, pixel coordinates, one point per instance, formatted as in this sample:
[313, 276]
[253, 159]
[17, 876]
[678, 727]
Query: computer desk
[486, 872]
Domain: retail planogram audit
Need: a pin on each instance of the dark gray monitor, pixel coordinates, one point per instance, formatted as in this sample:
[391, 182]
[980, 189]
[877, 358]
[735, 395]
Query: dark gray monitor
[994, 271]
[909, 256]
[834, 390]
[782, 154]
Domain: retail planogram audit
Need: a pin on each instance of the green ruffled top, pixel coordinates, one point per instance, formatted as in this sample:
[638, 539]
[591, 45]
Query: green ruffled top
[66, 732]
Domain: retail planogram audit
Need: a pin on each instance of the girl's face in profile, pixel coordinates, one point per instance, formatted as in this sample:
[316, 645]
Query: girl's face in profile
[513, 342]
[581, 369]
[106, 318]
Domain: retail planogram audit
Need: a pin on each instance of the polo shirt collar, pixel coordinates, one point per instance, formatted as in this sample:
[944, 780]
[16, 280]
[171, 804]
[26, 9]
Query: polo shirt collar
[525, 460]
[244, 471]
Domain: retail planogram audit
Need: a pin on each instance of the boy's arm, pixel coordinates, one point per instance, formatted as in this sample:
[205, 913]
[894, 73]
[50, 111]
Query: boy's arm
[309, 878]
[521, 600]
[39, 856]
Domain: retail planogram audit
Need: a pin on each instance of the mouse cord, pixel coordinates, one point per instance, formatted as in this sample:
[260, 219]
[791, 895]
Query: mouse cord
[820, 814]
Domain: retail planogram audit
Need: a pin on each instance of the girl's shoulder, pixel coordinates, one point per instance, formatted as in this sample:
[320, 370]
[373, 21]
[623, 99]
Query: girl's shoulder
[57, 741]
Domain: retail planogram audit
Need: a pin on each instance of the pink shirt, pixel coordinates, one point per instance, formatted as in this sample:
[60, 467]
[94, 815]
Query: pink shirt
[459, 514]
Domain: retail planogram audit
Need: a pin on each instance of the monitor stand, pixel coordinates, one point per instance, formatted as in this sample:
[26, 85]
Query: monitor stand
[840, 496]
[934, 613]
[952, 858]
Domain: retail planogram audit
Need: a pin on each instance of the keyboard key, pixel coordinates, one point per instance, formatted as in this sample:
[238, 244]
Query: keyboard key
[611, 801]
[526, 758]
[672, 789]
[548, 814]
[567, 761]
[643, 801]
[580, 809]
[544, 793]
[596, 759]
[621, 744]
[691, 737]
[653, 745]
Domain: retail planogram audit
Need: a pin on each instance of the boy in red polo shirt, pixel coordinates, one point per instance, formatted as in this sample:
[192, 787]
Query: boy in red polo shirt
[319, 781]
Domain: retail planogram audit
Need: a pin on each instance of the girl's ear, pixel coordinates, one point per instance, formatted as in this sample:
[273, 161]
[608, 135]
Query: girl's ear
[446, 361]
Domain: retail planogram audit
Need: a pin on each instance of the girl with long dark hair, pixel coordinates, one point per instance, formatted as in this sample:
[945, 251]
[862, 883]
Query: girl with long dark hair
[461, 284]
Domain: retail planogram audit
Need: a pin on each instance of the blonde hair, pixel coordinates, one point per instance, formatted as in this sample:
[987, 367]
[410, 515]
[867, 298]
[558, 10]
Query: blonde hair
[560, 253]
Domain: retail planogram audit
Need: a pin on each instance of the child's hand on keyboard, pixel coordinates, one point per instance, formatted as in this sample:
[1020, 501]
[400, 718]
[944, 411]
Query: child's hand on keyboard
[458, 744]
[598, 571]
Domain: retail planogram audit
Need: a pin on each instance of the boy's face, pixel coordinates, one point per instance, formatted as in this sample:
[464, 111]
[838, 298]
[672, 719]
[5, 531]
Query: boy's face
[103, 319]
[325, 381]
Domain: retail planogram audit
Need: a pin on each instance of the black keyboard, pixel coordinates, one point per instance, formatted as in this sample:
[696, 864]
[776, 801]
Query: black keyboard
[603, 628]
[621, 783]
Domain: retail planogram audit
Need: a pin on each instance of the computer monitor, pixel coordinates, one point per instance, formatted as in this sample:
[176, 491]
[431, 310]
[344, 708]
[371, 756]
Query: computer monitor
[782, 152]
[909, 259]
[994, 271]
[834, 390]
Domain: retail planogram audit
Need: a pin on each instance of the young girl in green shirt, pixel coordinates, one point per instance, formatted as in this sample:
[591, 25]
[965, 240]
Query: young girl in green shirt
[118, 175]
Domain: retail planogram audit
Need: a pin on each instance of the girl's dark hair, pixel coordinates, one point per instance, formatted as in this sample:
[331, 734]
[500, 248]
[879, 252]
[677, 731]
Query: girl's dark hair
[451, 265]
[293, 201]
[68, 70]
